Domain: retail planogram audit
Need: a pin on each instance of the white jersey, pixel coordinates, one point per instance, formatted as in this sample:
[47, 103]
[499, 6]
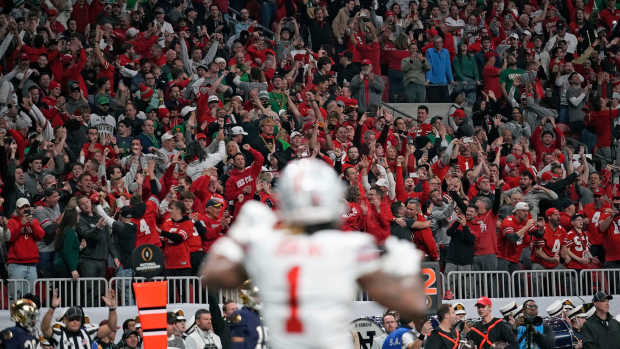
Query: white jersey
[307, 283]
[105, 124]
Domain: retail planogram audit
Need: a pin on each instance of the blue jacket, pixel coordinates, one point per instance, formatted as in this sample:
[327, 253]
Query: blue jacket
[522, 336]
[393, 340]
[441, 69]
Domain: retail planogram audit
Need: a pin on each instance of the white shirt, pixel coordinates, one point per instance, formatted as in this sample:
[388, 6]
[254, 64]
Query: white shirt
[200, 339]
[571, 42]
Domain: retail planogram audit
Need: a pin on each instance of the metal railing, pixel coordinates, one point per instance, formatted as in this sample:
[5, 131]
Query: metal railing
[593, 280]
[475, 284]
[11, 290]
[84, 292]
[545, 283]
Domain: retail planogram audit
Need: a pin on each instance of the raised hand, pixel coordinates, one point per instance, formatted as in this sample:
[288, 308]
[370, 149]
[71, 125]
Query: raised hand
[110, 298]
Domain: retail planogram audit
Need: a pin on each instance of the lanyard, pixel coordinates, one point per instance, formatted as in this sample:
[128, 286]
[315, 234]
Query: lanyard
[485, 336]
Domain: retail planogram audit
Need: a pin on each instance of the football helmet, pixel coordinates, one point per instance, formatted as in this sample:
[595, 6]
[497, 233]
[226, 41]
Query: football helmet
[248, 292]
[310, 192]
[25, 313]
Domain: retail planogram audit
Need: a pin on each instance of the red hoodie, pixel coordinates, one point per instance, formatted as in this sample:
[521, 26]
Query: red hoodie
[177, 255]
[22, 243]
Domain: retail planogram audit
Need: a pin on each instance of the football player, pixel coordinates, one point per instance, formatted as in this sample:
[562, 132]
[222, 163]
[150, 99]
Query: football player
[246, 327]
[307, 269]
[24, 312]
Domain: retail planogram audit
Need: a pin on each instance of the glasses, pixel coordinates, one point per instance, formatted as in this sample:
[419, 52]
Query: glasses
[532, 306]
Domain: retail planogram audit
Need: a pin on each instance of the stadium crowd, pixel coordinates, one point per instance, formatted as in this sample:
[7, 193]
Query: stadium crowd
[125, 123]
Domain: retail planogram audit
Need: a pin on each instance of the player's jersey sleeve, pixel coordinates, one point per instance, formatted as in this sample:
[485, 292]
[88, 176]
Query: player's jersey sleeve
[366, 254]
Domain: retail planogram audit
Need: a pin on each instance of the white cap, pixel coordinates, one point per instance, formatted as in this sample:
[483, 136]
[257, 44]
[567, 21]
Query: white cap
[21, 202]
[220, 60]
[616, 95]
[382, 182]
[555, 308]
[508, 309]
[131, 32]
[186, 110]
[213, 98]
[459, 308]
[514, 36]
[295, 134]
[282, 111]
[527, 32]
[521, 206]
[166, 136]
[238, 130]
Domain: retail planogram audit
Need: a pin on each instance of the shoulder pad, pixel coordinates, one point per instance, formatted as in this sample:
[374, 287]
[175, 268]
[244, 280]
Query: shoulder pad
[253, 218]
[6, 334]
[236, 318]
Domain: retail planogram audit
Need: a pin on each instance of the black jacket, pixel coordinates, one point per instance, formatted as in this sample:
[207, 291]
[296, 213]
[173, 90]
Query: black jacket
[501, 332]
[601, 334]
[461, 248]
[438, 340]
[124, 235]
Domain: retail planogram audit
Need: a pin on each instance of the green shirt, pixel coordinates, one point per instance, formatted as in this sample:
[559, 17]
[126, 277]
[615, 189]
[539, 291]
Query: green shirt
[508, 75]
[67, 258]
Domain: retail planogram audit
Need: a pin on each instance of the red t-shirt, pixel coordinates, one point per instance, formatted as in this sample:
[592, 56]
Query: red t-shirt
[550, 244]
[511, 250]
[601, 122]
[484, 229]
[425, 241]
[177, 256]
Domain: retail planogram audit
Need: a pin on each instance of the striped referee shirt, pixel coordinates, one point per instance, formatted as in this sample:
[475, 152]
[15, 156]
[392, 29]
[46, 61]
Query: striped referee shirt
[83, 339]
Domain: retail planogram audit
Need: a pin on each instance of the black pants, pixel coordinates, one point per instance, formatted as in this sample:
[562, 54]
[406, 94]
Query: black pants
[179, 290]
[437, 94]
[92, 290]
[195, 259]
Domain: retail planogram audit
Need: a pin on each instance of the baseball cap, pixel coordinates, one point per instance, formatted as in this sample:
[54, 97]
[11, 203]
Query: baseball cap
[484, 301]
[263, 94]
[220, 60]
[213, 98]
[126, 212]
[214, 203]
[521, 206]
[186, 110]
[201, 136]
[102, 100]
[295, 134]
[459, 113]
[21, 202]
[238, 130]
[166, 136]
[551, 211]
[601, 296]
[366, 61]
[514, 36]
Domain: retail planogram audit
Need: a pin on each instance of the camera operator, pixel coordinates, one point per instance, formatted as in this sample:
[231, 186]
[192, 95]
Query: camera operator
[23, 254]
[531, 331]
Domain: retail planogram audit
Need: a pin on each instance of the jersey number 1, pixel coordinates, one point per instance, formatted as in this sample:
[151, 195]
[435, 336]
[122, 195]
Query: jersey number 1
[293, 323]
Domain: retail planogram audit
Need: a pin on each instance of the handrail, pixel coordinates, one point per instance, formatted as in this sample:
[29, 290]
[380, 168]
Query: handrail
[237, 13]
[398, 110]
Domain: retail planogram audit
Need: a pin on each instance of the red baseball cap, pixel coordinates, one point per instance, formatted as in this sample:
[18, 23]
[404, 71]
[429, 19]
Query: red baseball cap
[551, 211]
[366, 61]
[201, 136]
[484, 301]
[459, 113]
[23, 56]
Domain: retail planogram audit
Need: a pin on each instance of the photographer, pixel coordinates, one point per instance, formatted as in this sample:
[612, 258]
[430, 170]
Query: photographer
[531, 332]
[23, 254]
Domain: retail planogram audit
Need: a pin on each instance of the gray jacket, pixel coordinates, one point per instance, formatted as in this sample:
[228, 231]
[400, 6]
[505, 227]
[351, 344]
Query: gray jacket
[533, 198]
[98, 244]
[440, 222]
[375, 91]
[414, 70]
